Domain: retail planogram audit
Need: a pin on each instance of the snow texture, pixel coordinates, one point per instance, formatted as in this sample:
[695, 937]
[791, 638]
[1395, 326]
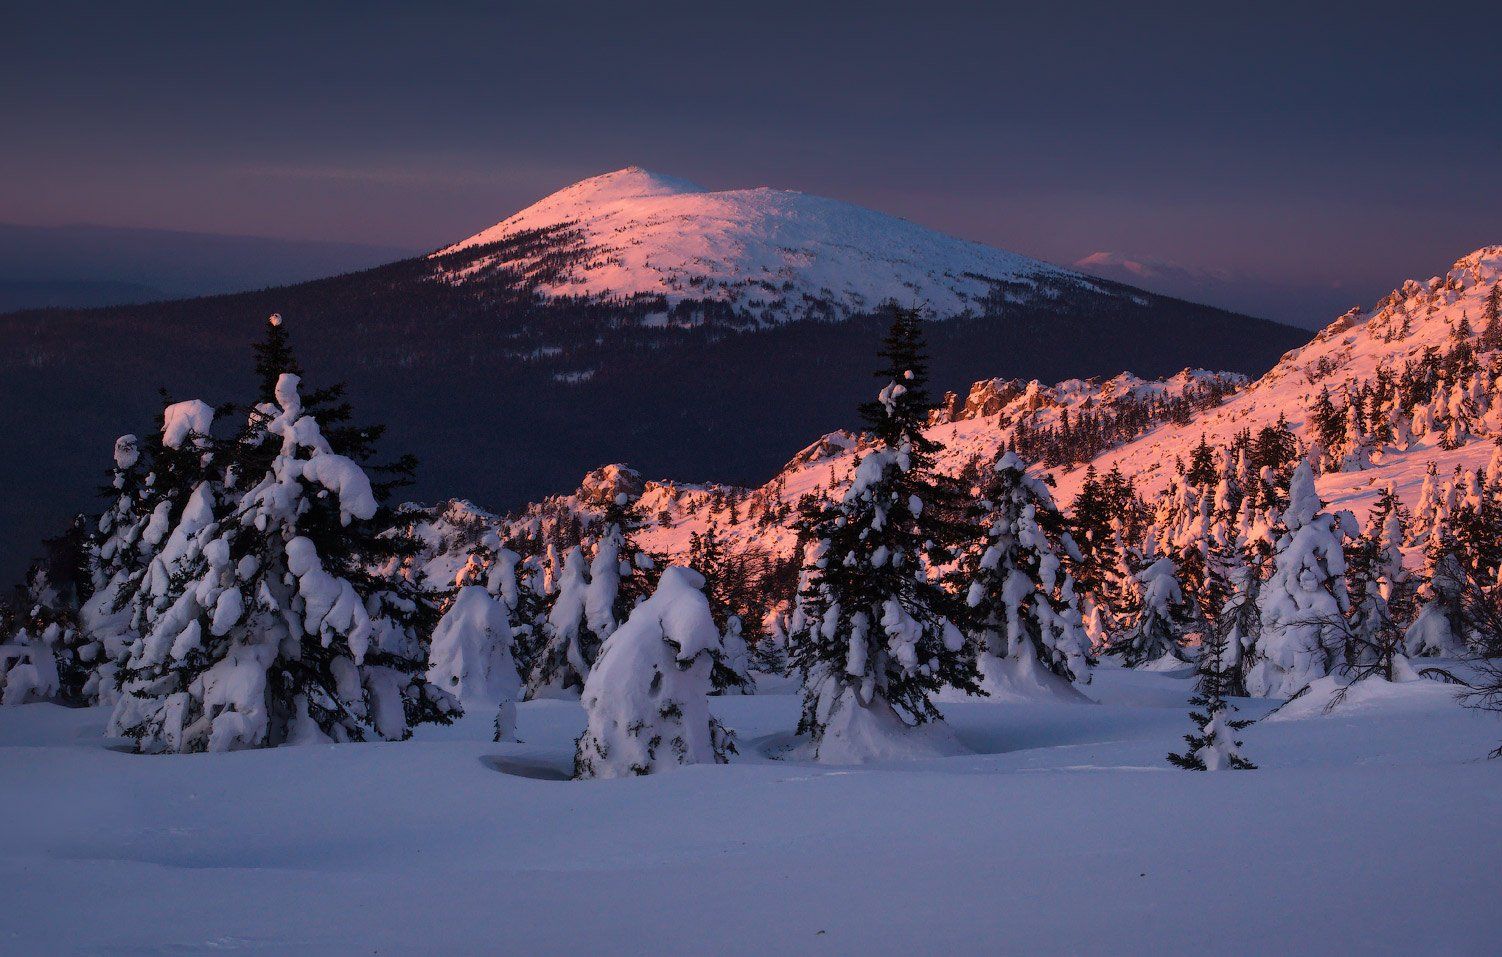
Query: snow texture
[647, 696]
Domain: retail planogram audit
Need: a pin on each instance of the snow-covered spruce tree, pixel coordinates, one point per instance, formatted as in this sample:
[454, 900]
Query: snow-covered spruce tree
[1373, 640]
[153, 482]
[1213, 746]
[35, 635]
[647, 696]
[46, 620]
[621, 573]
[570, 645]
[873, 636]
[1164, 617]
[471, 657]
[1239, 623]
[1030, 639]
[732, 667]
[1440, 628]
[1304, 595]
[277, 630]
[518, 583]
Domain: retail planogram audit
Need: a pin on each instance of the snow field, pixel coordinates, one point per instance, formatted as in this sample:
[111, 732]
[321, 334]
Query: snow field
[1370, 831]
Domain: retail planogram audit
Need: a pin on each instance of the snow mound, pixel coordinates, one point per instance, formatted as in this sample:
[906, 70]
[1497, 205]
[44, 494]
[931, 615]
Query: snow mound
[1021, 680]
[1332, 696]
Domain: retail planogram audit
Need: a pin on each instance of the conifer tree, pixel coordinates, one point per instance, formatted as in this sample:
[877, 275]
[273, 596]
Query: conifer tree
[731, 673]
[1305, 597]
[1025, 618]
[35, 637]
[471, 655]
[647, 696]
[570, 644]
[1212, 746]
[1440, 627]
[1164, 617]
[1491, 320]
[275, 629]
[1373, 640]
[873, 636]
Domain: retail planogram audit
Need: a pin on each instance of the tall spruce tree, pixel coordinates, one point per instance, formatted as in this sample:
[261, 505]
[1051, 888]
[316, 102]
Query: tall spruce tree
[874, 634]
[1025, 617]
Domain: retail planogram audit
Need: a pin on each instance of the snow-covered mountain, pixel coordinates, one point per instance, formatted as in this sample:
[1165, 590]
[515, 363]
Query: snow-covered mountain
[769, 253]
[1144, 427]
[631, 316]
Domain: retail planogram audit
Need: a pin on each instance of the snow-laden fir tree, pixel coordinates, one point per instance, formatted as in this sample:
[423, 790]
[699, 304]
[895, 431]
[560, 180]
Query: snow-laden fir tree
[1212, 746]
[1237, 626]
[647, 695]
[152, 483]
[621, 572]
[518, 583]
[1440, 628]
[570, 643]
[1304, 596]
[275, 629]
[471, 657]
[732, 667]
[1164, 618]
[1373, 640]
[1025, 617]
[34, 637]
[873, 635]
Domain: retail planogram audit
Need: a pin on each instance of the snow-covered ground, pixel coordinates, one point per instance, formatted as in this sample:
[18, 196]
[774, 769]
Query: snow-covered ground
[1369, 831]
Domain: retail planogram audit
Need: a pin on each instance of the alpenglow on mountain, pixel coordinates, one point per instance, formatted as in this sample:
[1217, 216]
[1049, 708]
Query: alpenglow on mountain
[769, 253]
[630, 317]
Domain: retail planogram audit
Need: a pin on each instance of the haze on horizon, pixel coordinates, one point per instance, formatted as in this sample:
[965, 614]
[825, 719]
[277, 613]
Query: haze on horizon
[1286, 163]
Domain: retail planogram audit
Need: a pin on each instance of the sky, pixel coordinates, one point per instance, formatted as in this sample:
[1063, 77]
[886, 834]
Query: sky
[1294, 160]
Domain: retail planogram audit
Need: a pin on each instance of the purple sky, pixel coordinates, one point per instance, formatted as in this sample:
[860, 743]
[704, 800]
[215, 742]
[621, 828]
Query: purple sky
[1270, 152]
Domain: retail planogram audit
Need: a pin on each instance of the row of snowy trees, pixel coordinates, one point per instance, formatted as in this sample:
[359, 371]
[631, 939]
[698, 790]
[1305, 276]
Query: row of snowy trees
[244, 587]
[248, 586]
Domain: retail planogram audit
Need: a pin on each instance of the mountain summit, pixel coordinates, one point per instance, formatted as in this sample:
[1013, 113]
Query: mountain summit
[630, 317]
[771, 254]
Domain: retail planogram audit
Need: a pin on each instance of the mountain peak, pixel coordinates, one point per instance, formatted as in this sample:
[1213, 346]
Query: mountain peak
[770, 254]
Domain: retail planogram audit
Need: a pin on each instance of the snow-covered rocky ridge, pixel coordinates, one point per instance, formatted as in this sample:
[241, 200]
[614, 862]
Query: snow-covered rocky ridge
[768, 253]
[1158, 422]
[1419, 317]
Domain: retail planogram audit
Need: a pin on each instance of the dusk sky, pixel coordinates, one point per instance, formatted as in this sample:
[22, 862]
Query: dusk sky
[1308, 150]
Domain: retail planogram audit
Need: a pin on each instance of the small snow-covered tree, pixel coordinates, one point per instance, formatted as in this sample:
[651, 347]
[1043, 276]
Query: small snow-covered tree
[1373, 640]
[1440, 626]
[33, 638]
[570, 644]
[708, 557]
[471, 656]
[647, 695]
[1304, 595]
[1213, 745]
[1238, 624]
[274, 628]
[1027, 626]
[873, 635]
[518, 583]
[1165, 616]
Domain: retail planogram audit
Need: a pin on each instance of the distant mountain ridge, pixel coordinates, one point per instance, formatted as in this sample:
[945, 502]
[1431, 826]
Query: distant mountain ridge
[1153, 427]
[583, 330]
[771, 255]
